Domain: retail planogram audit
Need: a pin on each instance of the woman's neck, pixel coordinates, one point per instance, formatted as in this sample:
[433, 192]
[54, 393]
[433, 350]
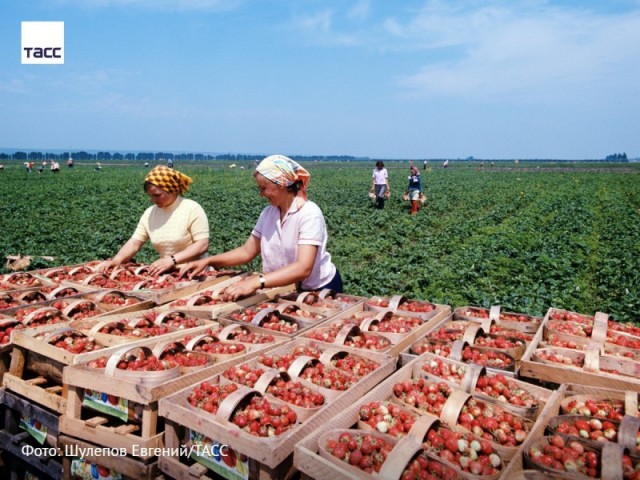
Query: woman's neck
[286, 205]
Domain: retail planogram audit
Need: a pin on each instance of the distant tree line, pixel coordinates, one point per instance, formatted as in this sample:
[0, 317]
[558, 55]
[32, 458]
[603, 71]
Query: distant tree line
[617, 157]
[83, 156]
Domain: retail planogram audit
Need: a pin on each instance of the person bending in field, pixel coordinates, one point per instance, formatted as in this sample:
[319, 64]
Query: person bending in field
[291, 236]
[414, 190]
[176, 226]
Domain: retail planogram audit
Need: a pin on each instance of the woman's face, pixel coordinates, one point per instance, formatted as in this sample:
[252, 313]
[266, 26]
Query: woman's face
[161, 198]
[272, 192]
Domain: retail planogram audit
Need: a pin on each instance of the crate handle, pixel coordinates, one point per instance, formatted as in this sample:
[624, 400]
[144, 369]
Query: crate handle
[98, 326]
[299, 364]
[345, 331]
[112, 363]
[261, 315]
[268, 377]
[494, 313]
[471, 376]
[456, 350]
[76, 303]
[53, 294]
[161, 318]
[326, 292]
[452, 407]
[328, 354]
[395, 301]
[159, 349]
[472, 332]
[398, 458]
[226, 331]
[421, 426]
[193, 343]
[229, 404]
[380, 317]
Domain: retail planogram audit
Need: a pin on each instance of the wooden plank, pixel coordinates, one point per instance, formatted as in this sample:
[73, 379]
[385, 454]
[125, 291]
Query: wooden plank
[53, 401]
[107, 437]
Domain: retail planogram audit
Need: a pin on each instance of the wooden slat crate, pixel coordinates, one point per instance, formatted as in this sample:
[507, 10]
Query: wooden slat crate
[306, 457]
[15, 406]
[226, 318]
[270, 458]
[128, 467]
[557, 373]
[36, 367]
[25, 452]
[407, 355]
[441, 313]
[80, 422]
[168, 294]
[516, 469]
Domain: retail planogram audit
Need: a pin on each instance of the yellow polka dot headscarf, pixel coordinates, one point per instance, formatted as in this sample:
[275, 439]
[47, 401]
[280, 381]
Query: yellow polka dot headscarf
[168, 179]
[282, 170]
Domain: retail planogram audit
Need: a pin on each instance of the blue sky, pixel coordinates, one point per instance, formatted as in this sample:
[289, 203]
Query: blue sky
[378, 78]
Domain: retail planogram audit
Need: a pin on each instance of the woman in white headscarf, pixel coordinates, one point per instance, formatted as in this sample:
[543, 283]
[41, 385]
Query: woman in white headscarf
[290, 236]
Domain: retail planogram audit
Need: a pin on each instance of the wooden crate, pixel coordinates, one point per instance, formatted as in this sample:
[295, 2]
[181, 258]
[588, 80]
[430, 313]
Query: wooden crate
[22, 452]
[36, 367]
[407, 355]
[128, 467]
[556, 373]
[442, 314]
[80, 422]
[168, 294]
[516, 470]
[306, 456]
[269, 459]
[15, 407]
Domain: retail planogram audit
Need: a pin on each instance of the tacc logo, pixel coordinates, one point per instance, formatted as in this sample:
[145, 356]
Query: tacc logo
[43, 43]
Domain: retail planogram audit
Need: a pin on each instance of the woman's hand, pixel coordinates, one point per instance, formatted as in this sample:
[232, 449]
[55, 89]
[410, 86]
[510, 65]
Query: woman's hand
[244, 288]
[194, 267]
[106, 265]
[160, 266]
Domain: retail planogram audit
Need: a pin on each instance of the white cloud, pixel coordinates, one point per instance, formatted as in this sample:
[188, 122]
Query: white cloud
[502, 50]
[319, 28]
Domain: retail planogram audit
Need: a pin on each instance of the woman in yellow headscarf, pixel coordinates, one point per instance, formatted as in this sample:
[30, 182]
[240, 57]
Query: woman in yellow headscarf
[290, 236]
[177, 227]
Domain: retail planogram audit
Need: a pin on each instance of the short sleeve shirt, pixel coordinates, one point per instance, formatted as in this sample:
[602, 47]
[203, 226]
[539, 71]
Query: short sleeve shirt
[380, 176]
[279, 241]
[174, 228]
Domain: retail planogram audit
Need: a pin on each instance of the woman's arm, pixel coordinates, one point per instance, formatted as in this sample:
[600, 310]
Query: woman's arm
[292, 273]
[193, 251]
[232, 258]
[126, 253]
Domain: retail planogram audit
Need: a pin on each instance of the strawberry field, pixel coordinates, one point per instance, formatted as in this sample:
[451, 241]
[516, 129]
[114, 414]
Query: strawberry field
[524, 237]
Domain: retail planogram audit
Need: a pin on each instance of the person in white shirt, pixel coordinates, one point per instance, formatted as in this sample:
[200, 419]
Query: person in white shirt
[290, 235]
[380, 184]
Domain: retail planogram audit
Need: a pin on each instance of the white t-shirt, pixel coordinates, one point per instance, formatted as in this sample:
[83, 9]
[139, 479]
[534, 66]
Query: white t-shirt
[174, 228]
[279, 241]
[380, 176]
